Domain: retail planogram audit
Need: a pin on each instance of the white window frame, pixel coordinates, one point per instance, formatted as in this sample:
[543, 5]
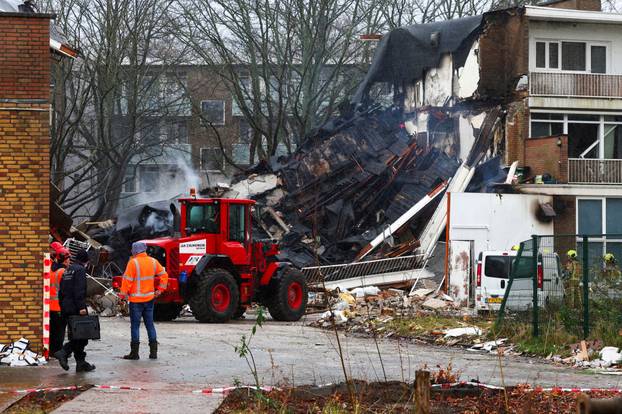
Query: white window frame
[603, 206]
[588, 55]
[224, 111]
[601, 123]
[201, 160]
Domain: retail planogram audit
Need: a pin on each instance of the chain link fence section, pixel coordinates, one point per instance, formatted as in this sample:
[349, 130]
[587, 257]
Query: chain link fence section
[569, 286]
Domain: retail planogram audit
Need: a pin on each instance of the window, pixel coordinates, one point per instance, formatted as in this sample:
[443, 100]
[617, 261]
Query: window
[540, 54]
[571, 56]
[212, 159]
[213, 112]
[237, 222]
[129, 182]
[589, 135]
[497, 266]
[246, 132]
[596, 216]
[546, 124]
[599, 59]
[203, 218]
[553, 55]
[149, 178]
[178, 132]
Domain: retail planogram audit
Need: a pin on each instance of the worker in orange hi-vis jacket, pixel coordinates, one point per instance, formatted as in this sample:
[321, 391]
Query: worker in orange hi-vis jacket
[139, 286]
[58, 325]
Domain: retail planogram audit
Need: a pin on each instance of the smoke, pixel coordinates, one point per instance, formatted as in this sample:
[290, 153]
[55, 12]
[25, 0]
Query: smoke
[158, 223]
[173, 179]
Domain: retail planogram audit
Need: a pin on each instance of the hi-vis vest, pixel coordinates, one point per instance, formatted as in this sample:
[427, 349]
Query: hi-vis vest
[55, 278]
[139, 278]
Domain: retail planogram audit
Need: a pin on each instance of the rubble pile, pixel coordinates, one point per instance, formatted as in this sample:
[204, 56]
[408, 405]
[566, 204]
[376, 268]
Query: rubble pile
[592, 355]
[18, 354]
[345, 184]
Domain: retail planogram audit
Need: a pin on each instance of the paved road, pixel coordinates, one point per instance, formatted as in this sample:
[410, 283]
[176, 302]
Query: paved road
[194, 356]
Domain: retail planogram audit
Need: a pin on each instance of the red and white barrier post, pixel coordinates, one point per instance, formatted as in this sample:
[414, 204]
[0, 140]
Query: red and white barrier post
[47, 267]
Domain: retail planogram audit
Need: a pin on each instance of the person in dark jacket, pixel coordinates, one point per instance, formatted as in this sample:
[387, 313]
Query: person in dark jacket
[72, 298]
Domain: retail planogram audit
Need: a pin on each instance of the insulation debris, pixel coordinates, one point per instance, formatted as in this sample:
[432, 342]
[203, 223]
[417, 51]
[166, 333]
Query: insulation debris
[18, 354]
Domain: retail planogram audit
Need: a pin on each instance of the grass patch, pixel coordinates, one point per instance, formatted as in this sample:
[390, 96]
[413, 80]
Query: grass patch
[430, 324]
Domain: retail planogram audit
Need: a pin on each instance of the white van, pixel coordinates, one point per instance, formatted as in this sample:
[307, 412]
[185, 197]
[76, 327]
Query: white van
[493, 276]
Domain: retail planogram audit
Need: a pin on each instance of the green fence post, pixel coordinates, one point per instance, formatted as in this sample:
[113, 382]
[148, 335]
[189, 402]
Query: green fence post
[586, 289]
[536, 331]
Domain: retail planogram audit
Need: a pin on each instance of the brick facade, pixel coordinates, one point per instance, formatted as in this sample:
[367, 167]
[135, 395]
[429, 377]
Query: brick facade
[587, 5]
[548, 155]
[503, 53]
[24, 172]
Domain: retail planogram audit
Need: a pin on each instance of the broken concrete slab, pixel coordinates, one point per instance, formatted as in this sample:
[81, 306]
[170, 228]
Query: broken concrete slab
[435, 304]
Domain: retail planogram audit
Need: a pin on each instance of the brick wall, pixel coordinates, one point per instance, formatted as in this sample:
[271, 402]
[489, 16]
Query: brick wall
[24, 173]
[588, 5]
[544, 155]
[516, 130]
[503, 56]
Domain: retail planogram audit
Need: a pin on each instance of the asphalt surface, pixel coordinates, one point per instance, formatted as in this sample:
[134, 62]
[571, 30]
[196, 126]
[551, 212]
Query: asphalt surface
[195, 356]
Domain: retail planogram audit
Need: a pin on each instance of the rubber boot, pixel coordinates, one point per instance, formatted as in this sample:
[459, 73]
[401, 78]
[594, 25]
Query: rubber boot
[133, 351]
[83, 366]
[62, 356]
[153, 350]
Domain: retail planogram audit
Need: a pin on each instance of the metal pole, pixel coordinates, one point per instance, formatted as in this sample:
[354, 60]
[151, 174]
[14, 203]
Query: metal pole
[534, 240]
[586, 289]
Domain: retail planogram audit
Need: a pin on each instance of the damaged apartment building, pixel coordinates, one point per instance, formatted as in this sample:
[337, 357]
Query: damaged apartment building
[556, 73]
[517, 110]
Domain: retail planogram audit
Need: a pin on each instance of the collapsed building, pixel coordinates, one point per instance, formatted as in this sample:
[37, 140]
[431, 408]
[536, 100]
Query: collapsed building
[512, 101]
[523, 100]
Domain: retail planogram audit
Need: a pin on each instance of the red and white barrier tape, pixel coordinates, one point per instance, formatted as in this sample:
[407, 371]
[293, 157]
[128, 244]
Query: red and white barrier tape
[118, 387]
[527, 388]
[227, 390]
[47, 267]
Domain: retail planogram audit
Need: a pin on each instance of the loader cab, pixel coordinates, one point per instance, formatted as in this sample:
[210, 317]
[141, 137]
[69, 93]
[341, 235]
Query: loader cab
[218, 226]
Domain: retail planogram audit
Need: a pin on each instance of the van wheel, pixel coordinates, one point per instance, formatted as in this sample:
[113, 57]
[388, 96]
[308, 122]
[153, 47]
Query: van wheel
[216, 296]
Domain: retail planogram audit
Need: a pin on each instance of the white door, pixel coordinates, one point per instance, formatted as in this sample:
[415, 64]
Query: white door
[460, 254]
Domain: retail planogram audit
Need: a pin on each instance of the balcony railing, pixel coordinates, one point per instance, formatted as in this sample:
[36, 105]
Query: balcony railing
[575, 84]
[594, 171]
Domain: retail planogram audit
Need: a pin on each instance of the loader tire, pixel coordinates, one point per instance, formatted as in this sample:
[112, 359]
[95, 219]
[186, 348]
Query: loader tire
[288, 298]
[216, 297]
[166, 312]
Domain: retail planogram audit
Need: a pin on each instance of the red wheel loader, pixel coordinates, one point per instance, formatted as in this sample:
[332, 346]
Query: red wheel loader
[217, 268]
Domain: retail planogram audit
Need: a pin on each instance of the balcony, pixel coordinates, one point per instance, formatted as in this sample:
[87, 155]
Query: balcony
[585, 85]
[594, 171]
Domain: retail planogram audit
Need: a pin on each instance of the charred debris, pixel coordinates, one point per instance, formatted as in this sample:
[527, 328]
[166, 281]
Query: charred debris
[359, 174]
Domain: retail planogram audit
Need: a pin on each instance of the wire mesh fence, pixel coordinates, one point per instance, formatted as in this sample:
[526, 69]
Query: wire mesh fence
[568, 286]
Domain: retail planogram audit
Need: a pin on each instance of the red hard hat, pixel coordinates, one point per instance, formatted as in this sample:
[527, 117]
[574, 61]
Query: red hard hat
[57, 247]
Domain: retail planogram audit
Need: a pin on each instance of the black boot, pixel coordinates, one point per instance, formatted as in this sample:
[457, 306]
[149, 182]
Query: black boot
[62, 359]
[153, 350]
[83, 366]
[133, 351]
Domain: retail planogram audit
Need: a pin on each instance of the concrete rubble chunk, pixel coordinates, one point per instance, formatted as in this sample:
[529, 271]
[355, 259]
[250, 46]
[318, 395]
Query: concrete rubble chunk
[467, 331]
[434, 304]
[422, 293]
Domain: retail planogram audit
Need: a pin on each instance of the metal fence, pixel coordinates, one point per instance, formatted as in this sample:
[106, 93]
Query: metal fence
[390, 270]
[575, 84]
[567, 285]
[594, 171]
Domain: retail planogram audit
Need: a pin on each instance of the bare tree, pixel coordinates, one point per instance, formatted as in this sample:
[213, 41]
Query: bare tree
[108, 103]
[286, 62]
